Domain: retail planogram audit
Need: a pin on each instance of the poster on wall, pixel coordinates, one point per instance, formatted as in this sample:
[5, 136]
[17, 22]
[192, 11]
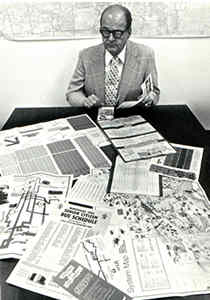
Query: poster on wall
[49, 20]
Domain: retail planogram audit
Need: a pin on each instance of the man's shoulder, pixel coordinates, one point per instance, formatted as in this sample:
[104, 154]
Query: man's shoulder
[89, 51]
[139, 49]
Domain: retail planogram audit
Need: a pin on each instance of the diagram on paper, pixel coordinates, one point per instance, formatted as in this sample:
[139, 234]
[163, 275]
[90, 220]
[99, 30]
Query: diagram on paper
[33, 199]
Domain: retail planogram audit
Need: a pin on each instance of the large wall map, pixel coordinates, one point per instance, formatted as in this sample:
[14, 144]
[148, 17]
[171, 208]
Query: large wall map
[75, 20]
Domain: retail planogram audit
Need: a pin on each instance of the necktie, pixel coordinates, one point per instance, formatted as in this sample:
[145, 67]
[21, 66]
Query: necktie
[112, 79]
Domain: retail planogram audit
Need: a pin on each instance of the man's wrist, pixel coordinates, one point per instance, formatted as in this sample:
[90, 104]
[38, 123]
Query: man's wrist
[154, 97]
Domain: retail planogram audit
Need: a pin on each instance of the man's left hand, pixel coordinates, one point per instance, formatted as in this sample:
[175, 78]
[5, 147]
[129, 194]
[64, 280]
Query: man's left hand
[150, 99]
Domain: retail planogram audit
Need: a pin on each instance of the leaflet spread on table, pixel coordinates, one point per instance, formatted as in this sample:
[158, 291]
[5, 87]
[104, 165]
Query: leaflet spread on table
[147, 237]
[152, 246]
[32, 199]
[63, 147]
[134, 138]
[185, 163]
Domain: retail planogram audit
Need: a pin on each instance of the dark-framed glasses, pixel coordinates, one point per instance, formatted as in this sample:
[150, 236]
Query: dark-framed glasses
[117, 34]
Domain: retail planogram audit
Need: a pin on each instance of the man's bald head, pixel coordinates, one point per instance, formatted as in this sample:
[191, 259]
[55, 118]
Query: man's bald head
[115, 28]
[118, 12]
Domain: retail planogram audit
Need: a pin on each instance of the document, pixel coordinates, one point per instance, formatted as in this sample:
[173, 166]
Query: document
[90, 189]
[84, 284]
[96, 219]
[52, 248]
[69, 156]
[152, 247]
[54, 130]
[120, 122]
[135, 138]
[135, 177]
[32, 200]
[146, 87]
[144, 268]
[182, 209]
[165, 238]
[62, 147]
[185, 163]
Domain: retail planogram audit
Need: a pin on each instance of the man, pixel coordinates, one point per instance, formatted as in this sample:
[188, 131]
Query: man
[112, 72]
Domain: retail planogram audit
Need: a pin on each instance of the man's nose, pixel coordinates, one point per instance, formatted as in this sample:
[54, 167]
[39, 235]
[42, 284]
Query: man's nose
[111, 37]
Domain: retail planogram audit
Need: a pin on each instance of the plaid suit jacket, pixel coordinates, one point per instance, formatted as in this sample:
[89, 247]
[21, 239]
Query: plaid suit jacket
[88, 77]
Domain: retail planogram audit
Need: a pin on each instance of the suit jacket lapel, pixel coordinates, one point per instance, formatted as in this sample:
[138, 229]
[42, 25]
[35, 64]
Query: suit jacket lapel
[98, 64]
[127, 74]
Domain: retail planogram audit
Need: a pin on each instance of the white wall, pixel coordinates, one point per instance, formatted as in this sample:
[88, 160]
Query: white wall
[37, 73]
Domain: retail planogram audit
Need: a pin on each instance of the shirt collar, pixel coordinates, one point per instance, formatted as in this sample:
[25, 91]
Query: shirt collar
[121, 56]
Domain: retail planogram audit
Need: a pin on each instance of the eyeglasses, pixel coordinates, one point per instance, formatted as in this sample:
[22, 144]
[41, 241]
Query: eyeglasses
[117, 34]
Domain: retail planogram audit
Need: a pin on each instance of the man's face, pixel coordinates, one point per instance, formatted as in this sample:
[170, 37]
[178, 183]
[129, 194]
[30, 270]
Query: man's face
[114, 21]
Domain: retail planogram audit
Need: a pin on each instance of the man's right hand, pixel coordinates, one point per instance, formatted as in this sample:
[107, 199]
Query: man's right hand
[91, 100]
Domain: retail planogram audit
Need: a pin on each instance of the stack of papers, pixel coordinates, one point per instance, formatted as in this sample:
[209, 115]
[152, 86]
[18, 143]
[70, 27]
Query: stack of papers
[148, 237]
[145, 246]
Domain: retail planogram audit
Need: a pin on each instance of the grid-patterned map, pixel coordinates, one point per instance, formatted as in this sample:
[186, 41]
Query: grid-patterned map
[74, 156]
[77, 19]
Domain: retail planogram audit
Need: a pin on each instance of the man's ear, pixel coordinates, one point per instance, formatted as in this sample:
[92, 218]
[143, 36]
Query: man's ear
[129, 30]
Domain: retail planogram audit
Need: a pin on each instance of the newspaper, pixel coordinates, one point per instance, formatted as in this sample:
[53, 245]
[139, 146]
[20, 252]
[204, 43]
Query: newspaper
[31, 201]
[135, 177]
[146, 87]
[185, 163]
[52, 248]
[134, 138]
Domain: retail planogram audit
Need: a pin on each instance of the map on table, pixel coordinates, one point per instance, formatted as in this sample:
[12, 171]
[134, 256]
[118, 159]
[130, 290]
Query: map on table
[32, 199]
[63, 146]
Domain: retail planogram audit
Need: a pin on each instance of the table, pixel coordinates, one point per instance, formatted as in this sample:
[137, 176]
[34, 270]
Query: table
[176, 123]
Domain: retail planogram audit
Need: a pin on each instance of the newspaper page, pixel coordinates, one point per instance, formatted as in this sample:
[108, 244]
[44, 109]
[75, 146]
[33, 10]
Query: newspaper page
[135, 177]
[32, 200]
[185, 163]
[136, 139]
[146, 87]
[53, 247]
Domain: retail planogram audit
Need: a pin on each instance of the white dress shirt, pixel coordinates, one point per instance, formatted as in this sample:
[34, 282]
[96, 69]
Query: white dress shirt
[121, 56]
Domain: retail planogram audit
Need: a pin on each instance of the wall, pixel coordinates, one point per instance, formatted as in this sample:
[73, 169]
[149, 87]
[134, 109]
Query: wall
[37, 73]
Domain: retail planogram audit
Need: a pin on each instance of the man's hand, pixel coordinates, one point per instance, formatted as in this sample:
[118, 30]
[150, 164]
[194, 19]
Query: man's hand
[91, 100]
[150, 99]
